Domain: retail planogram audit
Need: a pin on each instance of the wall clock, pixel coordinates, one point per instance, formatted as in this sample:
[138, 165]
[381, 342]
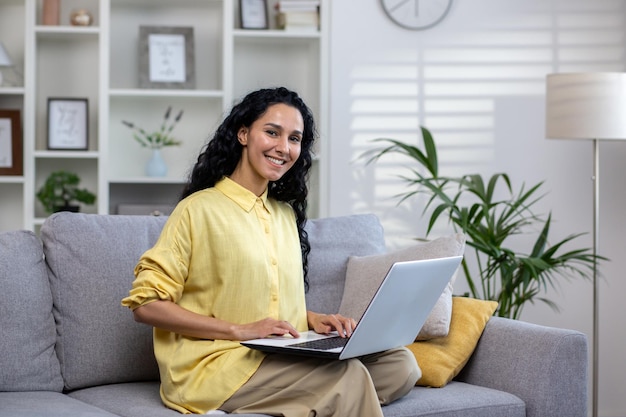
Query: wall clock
[416, 14]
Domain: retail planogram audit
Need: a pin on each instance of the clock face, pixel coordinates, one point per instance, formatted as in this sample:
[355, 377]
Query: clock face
[416, 14]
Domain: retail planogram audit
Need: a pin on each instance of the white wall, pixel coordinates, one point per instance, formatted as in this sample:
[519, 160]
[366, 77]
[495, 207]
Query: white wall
[477, 81]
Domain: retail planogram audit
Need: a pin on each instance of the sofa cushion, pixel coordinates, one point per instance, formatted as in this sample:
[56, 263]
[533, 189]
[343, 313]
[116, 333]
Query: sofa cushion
[131, 400]
[46, 404]
[365, 273]
[455, 400]
[91, 259]
[27, 358]
[443, 358]
[333, 240]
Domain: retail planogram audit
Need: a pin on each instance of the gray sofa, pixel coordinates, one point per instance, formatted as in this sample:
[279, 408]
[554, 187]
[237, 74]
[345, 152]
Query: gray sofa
[69, 349]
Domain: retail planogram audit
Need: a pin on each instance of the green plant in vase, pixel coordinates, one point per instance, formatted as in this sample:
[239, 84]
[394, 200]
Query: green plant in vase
[157, 140]
[60, 192]
[473, 207]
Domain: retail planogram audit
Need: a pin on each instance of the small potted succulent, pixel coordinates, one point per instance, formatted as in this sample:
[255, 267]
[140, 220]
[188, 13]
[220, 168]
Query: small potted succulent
[60, 192]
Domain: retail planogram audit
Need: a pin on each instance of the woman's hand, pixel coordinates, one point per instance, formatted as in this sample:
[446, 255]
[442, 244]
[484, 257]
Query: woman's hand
[326, 323]
[264, 328]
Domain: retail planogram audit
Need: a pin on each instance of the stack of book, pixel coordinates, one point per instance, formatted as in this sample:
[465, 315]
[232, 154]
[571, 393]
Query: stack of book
[298, 15]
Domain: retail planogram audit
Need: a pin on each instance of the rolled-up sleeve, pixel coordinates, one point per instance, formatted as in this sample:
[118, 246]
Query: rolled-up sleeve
[162, 270]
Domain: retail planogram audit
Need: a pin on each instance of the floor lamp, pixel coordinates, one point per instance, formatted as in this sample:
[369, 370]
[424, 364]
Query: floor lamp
[588, 106]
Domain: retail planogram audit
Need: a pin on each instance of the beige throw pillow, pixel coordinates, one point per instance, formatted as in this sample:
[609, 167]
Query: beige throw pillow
[364, 274]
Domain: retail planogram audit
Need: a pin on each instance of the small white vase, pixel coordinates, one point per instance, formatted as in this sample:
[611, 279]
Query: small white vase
[156, 166]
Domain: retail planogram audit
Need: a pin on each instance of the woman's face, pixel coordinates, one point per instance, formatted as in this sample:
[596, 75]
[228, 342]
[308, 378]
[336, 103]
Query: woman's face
[271, 146]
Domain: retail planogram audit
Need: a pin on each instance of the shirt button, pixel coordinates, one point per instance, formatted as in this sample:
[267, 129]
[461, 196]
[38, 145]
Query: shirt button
[274, 261]
[267, 229]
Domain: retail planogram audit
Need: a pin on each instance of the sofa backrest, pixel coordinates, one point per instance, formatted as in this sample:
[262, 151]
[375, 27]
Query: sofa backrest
[333, 240]
[27, 358]
[91, 260]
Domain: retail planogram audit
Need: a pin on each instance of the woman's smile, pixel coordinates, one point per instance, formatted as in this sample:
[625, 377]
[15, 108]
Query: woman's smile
[275, 160]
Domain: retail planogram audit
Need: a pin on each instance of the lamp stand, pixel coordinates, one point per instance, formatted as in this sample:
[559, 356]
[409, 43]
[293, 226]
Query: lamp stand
[586, 106]
[596, 229]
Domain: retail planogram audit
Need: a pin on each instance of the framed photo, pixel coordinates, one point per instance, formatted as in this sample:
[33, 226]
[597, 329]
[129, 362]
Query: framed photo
[253, 14]
[68, 123]
[166, 57]
[10, 142]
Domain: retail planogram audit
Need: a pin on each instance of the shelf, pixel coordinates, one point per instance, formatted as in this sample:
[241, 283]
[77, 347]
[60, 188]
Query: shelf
[11, 179]
[275, 34]
[147, 180]
[140, 92]
[161, 3]
[11, 91]
[63, 32]
[66, 154]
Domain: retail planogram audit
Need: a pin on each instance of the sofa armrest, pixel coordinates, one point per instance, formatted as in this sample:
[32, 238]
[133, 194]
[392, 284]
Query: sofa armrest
[545, 367]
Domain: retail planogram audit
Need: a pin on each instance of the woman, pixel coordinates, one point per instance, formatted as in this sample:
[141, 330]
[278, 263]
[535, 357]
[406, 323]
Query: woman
[230, 265]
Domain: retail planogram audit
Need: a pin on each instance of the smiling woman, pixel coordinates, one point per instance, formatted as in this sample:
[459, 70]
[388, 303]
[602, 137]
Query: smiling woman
[231, 265]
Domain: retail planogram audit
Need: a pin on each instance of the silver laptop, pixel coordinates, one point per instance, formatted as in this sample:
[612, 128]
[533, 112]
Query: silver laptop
[392, 319]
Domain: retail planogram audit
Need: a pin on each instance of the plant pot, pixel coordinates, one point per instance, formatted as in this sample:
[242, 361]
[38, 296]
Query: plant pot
[72, 208]
[156, 166]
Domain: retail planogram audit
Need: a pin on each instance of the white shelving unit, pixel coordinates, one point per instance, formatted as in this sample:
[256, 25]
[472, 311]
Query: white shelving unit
[100, 62]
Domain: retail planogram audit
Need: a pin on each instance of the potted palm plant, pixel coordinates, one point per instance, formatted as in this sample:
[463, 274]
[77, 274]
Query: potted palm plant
[473, 205]
[60, 192]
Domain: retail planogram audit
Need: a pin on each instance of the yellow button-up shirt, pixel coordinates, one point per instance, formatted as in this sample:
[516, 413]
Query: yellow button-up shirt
[224, 253]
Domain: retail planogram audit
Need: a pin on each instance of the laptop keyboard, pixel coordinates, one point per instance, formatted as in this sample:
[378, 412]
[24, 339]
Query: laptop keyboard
[323, 344]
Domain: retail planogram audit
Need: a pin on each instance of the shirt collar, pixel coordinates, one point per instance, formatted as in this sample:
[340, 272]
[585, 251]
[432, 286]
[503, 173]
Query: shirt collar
[240, 195]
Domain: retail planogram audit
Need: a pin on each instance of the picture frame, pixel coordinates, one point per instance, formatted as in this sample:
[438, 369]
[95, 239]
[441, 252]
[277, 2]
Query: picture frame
[68, 123]
[166, 57]
[253, 14]
[11, 142]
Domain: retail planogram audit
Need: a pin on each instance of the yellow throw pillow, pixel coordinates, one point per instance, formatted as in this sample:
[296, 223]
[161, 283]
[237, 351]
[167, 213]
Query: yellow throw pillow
[443, 358]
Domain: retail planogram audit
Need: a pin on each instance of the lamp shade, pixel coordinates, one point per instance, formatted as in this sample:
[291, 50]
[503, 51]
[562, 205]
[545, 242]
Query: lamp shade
[5, 59]
[586, 106]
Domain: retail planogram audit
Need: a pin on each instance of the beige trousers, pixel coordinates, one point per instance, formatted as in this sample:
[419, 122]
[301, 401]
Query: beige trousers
[293, 386]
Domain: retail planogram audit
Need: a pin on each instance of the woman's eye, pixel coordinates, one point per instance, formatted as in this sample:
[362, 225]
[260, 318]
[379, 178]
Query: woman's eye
[272, 132]
[296, 139]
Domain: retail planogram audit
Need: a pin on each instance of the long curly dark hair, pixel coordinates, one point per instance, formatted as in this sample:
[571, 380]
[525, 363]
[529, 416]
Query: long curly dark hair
[221, 154]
